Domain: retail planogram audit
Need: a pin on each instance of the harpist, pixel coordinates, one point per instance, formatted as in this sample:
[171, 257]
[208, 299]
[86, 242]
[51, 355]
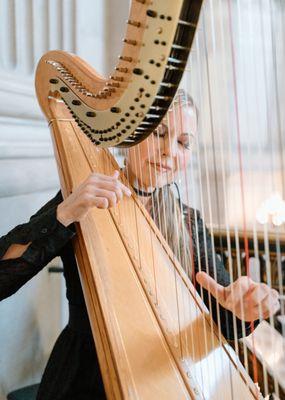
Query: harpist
[72, 371]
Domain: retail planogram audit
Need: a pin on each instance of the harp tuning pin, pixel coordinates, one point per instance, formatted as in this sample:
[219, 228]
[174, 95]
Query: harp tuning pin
[121, 69]
[116, 78]
[125, 58]
[113, 84]
[133, 23]
[111, 89]
[130, 41]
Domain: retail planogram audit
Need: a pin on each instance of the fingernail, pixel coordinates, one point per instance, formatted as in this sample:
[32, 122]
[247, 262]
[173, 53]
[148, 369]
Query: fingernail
[129, 193]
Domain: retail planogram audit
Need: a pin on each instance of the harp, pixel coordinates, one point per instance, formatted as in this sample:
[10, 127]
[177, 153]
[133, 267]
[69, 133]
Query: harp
[153, 334]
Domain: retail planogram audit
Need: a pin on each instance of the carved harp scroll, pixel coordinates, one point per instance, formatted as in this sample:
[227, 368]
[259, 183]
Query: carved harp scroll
[152, 343]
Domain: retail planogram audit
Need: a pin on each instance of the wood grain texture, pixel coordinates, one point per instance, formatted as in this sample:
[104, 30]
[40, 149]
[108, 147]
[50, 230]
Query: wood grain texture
[153, 334]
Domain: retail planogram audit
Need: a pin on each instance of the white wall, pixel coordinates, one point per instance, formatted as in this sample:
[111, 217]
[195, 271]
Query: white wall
[235, 74]
[31, 319]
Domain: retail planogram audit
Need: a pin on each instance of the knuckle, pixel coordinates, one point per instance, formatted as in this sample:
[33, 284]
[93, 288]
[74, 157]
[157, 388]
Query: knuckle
[264, 287]
[244, 282]
[87, 199]
[117, 185]
[275, 293]
[102, 203]
[88, 188]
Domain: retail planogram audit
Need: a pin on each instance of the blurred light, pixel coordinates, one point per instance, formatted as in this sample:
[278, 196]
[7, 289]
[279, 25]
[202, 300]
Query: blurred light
[262, 215]
[272, 209]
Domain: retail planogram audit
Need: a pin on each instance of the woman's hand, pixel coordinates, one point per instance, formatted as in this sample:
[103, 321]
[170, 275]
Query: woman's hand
[245, 298]
[98, 190]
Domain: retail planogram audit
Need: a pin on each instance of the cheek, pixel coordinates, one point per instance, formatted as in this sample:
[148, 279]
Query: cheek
[184, 159]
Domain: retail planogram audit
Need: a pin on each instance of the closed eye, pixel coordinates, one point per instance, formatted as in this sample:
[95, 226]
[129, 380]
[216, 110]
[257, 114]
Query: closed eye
[184, 140]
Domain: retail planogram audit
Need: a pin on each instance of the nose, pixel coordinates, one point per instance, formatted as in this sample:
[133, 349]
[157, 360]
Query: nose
[169, 146]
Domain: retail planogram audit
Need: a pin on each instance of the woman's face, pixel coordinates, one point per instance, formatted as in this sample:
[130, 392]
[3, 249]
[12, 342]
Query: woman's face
[157, 160]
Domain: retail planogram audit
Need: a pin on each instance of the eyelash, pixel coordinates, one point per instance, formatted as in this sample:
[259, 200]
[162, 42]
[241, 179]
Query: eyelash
[185, 145]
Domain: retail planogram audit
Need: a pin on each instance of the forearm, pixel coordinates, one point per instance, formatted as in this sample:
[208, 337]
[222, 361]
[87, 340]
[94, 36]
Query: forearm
[26, 249]
[15, 251]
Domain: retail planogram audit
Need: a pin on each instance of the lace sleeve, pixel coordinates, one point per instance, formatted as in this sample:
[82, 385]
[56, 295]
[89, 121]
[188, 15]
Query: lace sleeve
[47, 236]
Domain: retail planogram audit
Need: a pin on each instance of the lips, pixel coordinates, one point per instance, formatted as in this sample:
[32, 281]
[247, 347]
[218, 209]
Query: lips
[161, 167]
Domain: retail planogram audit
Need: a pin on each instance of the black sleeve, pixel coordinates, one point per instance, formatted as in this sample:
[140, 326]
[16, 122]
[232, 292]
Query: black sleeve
[47, 236]
[207, 260]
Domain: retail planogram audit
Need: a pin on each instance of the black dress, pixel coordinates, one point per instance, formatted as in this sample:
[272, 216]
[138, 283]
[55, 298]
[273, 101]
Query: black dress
[72, 372]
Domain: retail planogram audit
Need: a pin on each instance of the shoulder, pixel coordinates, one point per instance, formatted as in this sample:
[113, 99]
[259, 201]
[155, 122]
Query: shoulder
[193, 213]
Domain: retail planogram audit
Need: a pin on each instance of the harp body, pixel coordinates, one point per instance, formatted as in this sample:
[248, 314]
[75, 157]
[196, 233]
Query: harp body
[151, 342]
[153, 334]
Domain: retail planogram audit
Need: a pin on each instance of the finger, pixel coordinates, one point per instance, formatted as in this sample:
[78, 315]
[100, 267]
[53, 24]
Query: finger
[208, 283]
[114, 187]
[269, 306]
[109, 195]
[102, 180]
[256, 294]
[266, 314]
[101, 202]
[126, 190]
[116, 174]
[275, 294]
[236, 292]
[97, 175]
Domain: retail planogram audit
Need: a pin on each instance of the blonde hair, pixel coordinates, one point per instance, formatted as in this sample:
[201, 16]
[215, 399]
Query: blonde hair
[167, 212]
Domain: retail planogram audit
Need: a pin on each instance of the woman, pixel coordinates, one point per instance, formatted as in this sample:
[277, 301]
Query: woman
[72, 372]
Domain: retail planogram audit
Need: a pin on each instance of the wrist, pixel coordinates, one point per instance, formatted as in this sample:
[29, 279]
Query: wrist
[62, 216]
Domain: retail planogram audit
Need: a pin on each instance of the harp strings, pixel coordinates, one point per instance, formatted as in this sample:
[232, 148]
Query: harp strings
[200, 373]
[205, 157]
[240, 167]
[223, 158]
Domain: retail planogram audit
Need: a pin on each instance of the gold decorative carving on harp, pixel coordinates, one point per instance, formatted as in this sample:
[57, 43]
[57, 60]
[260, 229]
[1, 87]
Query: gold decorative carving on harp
[153, 334]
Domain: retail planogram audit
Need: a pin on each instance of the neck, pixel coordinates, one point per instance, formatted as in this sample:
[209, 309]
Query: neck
[144, 194]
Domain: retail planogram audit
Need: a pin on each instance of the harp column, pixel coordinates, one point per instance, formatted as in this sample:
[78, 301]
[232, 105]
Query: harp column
[28, 176]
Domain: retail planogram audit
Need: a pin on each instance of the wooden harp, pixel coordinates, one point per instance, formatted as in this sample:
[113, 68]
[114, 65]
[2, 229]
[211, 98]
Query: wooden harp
[153, 334]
